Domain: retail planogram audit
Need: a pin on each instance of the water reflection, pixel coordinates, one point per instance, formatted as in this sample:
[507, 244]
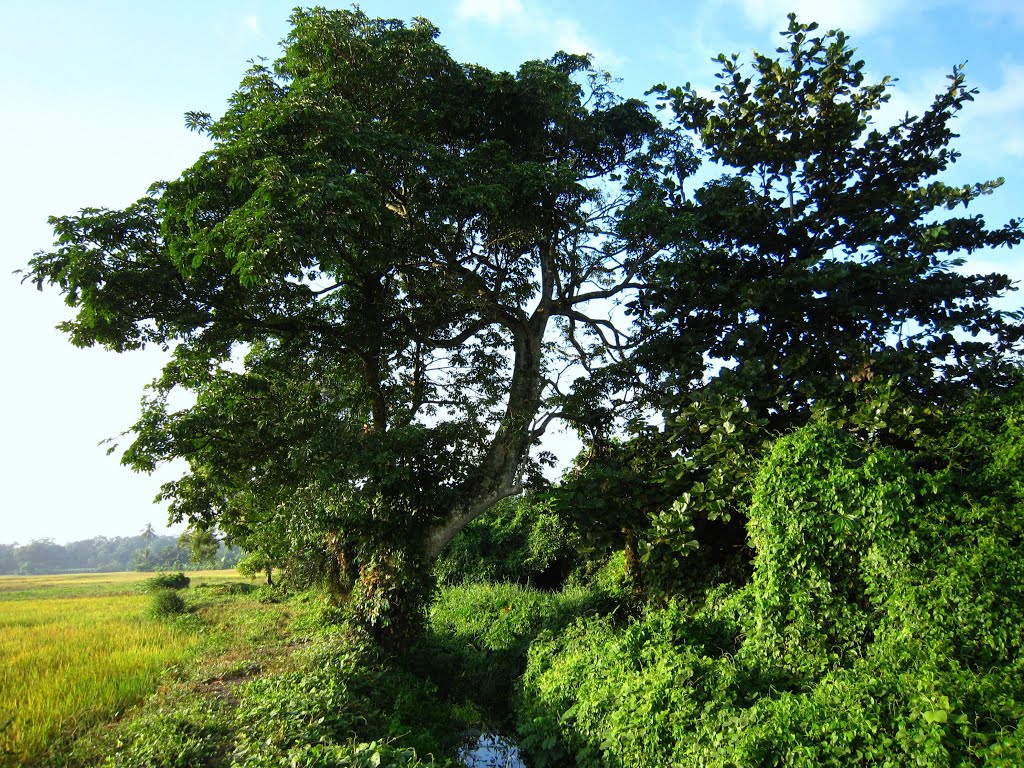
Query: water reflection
[489, 750]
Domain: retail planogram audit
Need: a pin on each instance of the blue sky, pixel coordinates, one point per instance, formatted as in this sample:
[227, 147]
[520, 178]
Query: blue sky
[93, 96]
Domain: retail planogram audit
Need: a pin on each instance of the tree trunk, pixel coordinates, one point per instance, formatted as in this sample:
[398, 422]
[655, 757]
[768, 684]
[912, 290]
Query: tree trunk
[498, 475]
[632, 574]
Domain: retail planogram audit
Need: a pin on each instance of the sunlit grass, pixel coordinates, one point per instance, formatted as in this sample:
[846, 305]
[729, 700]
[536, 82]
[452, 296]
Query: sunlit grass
[70, 585]
[69, 662]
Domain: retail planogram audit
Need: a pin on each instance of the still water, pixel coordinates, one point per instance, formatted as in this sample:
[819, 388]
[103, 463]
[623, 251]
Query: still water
[489, 750]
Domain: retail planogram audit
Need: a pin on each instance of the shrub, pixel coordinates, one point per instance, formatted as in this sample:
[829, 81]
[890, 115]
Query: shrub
[517, 541]
[233, 588]
[600, 695]
[883, 625]
[342, 694]
[352, 755]
[830, 523]
[478, 636]
[339, 703]
[167, 581]
[166, 602]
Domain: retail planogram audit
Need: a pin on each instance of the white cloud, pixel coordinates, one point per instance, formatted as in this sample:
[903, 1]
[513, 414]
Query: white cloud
[253, 24]
[857, 17]
[852, 16]
[996, 118]
[1000, 11]
[556, 33]
[908, 95]
[493, 12]
[568, 37]
[991, 128]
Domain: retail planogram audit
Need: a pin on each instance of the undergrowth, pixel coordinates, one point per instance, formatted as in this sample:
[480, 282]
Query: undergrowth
[478, 636]
[883, 626]
[280, 685]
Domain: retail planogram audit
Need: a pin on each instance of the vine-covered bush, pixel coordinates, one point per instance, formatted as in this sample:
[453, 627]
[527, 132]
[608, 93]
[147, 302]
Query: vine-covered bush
[388, 600]
[829, 521]
[478, 636]
[518, 541]
[883, 624]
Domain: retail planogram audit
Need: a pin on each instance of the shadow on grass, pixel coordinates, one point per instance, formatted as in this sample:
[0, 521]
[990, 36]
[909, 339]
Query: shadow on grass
[477, 638]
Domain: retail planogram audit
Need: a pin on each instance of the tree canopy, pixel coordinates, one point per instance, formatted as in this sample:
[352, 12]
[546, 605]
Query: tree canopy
[827, 252]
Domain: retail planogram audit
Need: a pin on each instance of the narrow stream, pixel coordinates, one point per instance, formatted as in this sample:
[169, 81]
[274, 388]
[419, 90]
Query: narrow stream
[489, 750]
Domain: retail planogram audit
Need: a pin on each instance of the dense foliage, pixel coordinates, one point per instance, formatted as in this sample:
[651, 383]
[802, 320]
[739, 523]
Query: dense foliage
[166, 602]
[519, 540]
[882, 624]
[794, 535]
[827, 252]
[167, 581]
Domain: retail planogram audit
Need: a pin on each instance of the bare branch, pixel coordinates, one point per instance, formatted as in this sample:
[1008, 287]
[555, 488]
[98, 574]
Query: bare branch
[607, 293]
[457, 341]
[601, 328]
[328, 289]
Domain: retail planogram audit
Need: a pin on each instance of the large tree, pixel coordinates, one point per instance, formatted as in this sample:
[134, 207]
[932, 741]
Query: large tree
[369, 284]
[374, 279]
[821, 269]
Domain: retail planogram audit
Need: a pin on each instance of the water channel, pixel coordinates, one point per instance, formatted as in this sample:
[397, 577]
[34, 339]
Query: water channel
[489, 750]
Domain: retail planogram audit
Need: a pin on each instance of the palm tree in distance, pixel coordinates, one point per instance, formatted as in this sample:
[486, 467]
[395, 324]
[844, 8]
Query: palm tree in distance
[148, 533]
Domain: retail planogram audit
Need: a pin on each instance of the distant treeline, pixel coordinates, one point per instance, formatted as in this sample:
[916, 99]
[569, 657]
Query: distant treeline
[102, 554]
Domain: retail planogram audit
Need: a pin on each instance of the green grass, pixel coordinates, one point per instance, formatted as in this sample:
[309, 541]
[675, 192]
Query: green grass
[92, 584]
[276, 686]
[250, 675]
[79, 650]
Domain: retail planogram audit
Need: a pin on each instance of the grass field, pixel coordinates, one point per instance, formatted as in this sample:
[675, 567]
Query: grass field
[77, 650]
